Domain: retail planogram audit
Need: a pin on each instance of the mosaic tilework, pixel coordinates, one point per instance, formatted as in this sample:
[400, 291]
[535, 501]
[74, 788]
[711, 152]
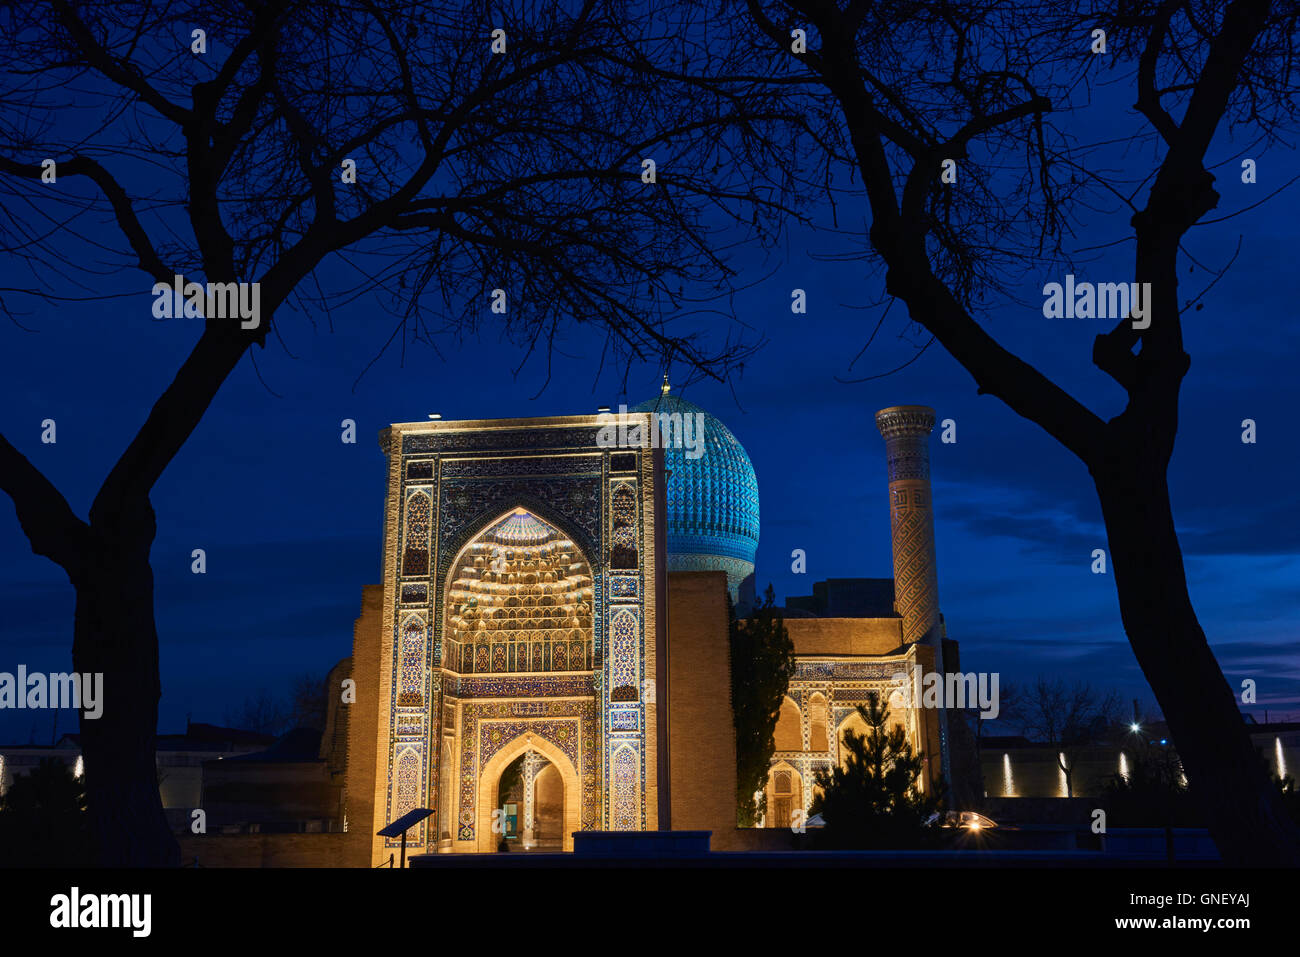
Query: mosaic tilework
[625, 720]
[497, 734]
[815, 670]
[570, 503]
[712, 497]
[624, 650]
[411, 674]
[488, 726]
[533, 439]
[408, 790]
[415, 556]
[623, 528]
[509, 686]
[625, 813]
[624, 587]
[415, 594]
[532, 465]
[470, 479]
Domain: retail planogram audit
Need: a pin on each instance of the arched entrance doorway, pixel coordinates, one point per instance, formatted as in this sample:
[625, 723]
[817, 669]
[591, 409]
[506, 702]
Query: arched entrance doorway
[554, 811]
[520, 725]
[548, 809]
[529, 807]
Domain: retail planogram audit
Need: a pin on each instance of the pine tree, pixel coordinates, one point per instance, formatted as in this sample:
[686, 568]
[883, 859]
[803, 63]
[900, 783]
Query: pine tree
[43, 818]
[872, 800]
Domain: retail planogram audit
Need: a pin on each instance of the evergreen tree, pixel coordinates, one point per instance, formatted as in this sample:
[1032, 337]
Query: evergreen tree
[1153, 792]
[1286, 786]
[762, 662]
[872, 799]
[43, 818]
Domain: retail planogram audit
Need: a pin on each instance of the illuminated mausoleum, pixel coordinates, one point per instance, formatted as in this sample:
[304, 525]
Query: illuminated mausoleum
[548, 652]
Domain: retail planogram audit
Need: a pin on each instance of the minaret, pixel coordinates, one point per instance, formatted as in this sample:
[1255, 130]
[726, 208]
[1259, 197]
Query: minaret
[906, 430]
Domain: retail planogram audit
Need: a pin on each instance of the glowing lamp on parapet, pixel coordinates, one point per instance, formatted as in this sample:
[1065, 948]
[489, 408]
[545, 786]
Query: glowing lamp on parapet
[969, 820]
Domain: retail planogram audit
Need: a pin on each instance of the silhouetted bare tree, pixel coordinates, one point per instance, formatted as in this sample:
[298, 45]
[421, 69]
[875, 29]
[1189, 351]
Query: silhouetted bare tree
[262, 712]
[893, 89]
[1069, 717]
[324, 149]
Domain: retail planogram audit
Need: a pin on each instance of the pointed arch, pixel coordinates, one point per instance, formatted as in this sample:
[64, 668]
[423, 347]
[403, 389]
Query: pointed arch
[519, 596]
[491, 775]
[818, 710]
[852, 722]
[789, 727]
[784, 794]
[499, 509]
[406, 785]
[625, 780]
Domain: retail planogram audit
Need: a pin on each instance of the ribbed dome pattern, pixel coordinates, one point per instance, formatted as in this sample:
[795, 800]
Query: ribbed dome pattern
[712, 499]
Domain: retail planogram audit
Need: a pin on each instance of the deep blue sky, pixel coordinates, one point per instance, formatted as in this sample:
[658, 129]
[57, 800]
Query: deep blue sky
[290, 517]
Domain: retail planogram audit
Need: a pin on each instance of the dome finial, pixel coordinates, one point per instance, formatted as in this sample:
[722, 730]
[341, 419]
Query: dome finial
[663, 390]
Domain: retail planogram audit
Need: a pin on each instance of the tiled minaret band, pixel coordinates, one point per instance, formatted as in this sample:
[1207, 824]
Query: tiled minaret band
[906, 430]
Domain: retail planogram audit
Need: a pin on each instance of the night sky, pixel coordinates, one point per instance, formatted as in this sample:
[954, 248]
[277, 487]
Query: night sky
[290, 517]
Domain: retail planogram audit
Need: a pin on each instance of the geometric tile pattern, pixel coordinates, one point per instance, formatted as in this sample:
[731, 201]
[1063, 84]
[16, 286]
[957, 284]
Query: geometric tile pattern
[537, 588]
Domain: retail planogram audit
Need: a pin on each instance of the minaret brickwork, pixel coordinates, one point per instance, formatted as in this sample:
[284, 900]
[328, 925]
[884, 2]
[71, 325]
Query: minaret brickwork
[906, 430]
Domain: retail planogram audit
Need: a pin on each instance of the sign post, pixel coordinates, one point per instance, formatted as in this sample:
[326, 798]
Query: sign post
[402, 825]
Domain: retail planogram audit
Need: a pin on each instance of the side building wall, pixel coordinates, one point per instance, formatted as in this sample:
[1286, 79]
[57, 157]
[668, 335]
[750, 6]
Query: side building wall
[839, 662]
[701, 729]
[363, 730]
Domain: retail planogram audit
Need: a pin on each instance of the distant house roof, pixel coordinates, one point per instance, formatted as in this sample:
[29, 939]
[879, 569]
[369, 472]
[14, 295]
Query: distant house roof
[216, 734]
[297, 746]
[846, 598]
[199, 737]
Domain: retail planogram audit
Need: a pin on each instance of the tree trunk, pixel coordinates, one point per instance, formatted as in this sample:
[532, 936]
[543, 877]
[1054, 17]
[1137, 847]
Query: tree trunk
[116, 636]
[1228, 780]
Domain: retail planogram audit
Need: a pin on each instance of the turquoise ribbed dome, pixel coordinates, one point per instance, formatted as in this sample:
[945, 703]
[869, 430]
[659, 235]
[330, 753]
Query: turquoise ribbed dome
[712, 501]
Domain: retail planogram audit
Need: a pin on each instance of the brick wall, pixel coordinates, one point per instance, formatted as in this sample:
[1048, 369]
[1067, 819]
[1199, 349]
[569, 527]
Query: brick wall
[265, 850]
[845, 636]
[363, 729]
[702, 734]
